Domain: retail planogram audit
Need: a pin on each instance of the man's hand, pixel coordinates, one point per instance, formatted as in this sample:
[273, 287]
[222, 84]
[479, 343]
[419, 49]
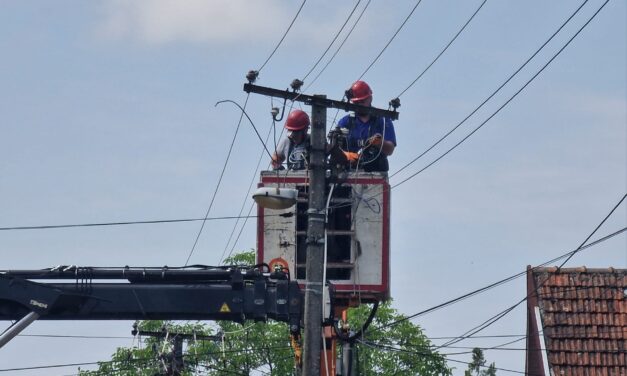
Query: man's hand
[351, 157]
[375, 140]
[277, 162]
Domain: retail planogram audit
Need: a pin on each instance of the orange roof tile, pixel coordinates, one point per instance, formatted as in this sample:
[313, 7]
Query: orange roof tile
[584, 319]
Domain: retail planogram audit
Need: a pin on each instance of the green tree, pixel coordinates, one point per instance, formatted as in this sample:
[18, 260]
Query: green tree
[394, 346]
[477, 366]
[399, 349]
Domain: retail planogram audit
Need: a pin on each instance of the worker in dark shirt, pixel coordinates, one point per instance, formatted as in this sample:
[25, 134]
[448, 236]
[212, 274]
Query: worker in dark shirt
[370, 139]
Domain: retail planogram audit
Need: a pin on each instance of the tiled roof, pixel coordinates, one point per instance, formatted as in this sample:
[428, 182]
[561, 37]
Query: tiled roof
[584, 319]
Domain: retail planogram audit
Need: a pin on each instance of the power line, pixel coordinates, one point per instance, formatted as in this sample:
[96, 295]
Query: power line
[340, 46]
[215, 192]
[241, 230]
[503, 313]
[243, 109]
[500, 282]
[578, 351]
[237, 129]
[140, 359]
[102, 224]
[423, 353]
[332, 41]
[390, 41]
[246, 197]
[72, 336]
[283, 37]
[443, 50]
[494, 93]
[253, 178]
[486, 336]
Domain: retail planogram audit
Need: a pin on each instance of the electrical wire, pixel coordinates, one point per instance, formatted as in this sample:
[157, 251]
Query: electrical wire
[421, 353]
[500, 282]
[332, 41]
[73, 336]
[215, 192]
[243, 109]
[443, 50]
[139, 359]
[339, 47]
[503, 313]
[283, 37]
[390, 41]
[252, 181]
[496, 91]
[250, 209]
[241, 230]
[101, 224]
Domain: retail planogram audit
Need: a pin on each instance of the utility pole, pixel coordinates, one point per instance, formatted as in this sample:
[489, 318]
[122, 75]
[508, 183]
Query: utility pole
[347, 358]
[316, 213]
[315, 242]
[174, 359]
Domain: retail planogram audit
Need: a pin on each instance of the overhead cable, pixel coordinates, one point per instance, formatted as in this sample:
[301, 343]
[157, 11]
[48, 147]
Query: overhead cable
[246, 197]
[140, 359]
[363, 10]
[500, 282]
[283, 37]
[243, 109]
[215, 192]
[390, 41]
[332, 41]
[46, 227]
[386, 347]
[504, 313]
[443, 50]
[496, 91]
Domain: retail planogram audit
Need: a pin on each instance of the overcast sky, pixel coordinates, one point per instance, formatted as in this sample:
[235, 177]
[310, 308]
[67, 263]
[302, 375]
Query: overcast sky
[107, 114]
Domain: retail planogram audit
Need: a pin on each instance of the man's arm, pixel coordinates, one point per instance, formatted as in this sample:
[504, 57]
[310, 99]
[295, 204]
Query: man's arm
[277, 160]
[388, 147]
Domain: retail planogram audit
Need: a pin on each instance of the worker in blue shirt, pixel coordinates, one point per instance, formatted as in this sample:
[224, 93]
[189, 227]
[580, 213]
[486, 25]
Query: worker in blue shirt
[370, 139]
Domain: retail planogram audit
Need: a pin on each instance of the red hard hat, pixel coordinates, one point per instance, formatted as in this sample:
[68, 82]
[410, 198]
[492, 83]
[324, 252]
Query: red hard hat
[297, 120]
[360, 91]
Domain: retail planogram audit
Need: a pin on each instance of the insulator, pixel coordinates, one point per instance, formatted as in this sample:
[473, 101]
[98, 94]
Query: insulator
[252, 75]
[348, 94]
[395, 103]
[296, 84]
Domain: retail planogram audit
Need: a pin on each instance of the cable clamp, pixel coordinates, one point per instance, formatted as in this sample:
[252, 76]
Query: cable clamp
[316, 219]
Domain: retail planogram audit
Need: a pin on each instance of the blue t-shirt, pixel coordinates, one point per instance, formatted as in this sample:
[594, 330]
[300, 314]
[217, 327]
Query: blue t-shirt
[359, 132]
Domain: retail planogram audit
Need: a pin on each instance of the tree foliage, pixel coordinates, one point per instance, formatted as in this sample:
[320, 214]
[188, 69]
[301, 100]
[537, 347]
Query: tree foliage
[477, 366]
[400, 349]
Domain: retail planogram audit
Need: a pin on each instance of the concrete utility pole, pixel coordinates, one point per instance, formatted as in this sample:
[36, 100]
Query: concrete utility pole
[315, 242]
[174, 359]
[316, 212]
[347, 359]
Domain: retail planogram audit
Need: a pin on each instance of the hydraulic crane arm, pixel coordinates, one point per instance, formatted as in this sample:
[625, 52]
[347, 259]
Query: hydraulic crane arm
[146, 294]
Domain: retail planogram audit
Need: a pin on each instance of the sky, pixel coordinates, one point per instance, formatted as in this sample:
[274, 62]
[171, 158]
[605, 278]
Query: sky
[108, 113]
